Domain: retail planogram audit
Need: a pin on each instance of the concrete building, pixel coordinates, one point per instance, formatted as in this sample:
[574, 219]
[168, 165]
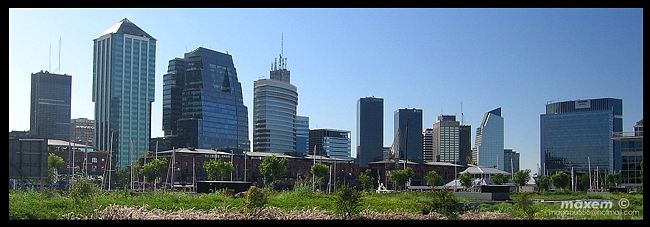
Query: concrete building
[82, 131]
[427, 146]
[446, 139]
[631, 156]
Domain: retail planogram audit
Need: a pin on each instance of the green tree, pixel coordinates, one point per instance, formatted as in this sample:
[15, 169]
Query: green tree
[524, 203]
[217, 169]
[319, 171]
[560, 180]
[466, 180]
[612, 180]
[443, 202]
[348, 201]
[542, 183]
[273, 168]
[583, 182]
[366, 180]
[401, 176]
[255, 201]
[521, 178]
[153, 169]
[433, 179]
[54, 163]
[499, 178]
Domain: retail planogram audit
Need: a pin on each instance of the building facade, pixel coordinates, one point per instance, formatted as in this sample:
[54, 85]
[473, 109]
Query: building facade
[427, 146]
[302, 135]
[275, 101]
[489, 140]
[50, 106]
[124, 58]
[202, 102]
[446, 139]
[511, 159]
[82, 131]
[465, 142]
[578, 134]
[331, 143]
[631, 155]
[408, 134]
[370, 130]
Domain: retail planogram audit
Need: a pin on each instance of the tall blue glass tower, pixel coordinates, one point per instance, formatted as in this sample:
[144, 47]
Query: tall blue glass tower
[489, 140]
[124, 58]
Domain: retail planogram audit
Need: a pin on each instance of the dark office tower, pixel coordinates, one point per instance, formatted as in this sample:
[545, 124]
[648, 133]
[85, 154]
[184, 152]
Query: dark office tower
[50, 106]
[124, 58]
[465, 144]
[82, 131]
[202, 102]
[408, 134]
[511, 161]
[275, 101]
[370, 130]
[427, 146]
[580, 134]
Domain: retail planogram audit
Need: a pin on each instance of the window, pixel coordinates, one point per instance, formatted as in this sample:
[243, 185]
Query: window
[94, 160]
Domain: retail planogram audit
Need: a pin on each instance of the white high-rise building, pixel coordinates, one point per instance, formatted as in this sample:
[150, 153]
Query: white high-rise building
[489, 140]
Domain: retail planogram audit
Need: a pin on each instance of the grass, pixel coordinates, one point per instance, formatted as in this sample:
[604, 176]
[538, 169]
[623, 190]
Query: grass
[52, 205]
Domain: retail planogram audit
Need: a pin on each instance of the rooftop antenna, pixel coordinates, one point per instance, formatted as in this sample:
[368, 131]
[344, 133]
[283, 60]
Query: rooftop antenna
[282, 45]
[59, 69]
[462, 119]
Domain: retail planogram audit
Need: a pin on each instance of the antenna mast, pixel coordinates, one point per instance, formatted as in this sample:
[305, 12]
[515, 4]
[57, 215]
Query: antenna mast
[462, 118]
[59, 69]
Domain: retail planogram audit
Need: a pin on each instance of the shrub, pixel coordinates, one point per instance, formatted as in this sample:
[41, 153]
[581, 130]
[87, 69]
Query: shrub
[348, 201]
[273, 168]
[499, 178]
[366, 181]
[255, 201]
[445, 203]
[560, 180]
[83, 189]
[525, 204]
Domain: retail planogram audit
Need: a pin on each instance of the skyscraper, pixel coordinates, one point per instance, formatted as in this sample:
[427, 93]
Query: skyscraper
[82, 131]
[50, 106]
[124, 58]
[370, 130]
[274, 111]
[427, 146]
[511, 159]
[408, 134]
[446, 139]
[579, 134]
[202, 102]
[302, 135]
[330, 142]
[465, 142]
[489, 140]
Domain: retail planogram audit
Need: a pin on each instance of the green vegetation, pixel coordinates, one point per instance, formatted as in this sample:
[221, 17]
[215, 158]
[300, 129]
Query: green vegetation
[255, 201]
[217, 169]
[433, 179]
[499, 178]
[543, 183]
[466, 180]
[521, 177]
[272, 168]
[401, 176]
[366, 181]
[54, 162]
[153, 169]
[560, 180]
[443, 202]
[319, 171]
[348, 201]
[612, 180]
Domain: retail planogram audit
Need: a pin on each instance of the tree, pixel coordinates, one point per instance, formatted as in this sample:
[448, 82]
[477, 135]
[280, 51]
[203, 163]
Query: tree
[348, 201]
[272, 168]
[217, 169]
[54, 162]
[560, 180]
[521, 178]
[542, 183]
[319, 171]
[443, 202]
[255, 201]
[433, 179]
[612, 180]
[401, 176]
[499, 178]
[583, 182]
[466, 180]
[153, 169]
[366, 180]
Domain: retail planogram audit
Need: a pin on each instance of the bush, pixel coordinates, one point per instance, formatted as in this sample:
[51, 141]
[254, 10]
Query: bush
[445, 203]
[525, 204]
[83, 189]
[348, 201]
[366, 181]
[255, 201]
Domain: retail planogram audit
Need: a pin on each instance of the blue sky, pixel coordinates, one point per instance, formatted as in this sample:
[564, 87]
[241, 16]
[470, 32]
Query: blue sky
[432, 59]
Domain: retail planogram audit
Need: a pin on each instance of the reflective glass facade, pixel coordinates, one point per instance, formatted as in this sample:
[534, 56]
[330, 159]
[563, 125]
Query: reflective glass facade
[511, 158]
[408, 133]
[631, 155]
[302, 135]
[576, 132]
[465, 141]
[489, 140]
[331, 143]
[50, 106]
[370, 130]
[202, 102]
[274, 112]
[124, 59]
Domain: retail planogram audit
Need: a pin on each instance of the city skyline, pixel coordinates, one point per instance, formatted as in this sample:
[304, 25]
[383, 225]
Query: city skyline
[516, 59]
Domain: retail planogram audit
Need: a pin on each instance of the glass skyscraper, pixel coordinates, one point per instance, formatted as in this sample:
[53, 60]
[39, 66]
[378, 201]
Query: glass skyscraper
[50, 106]
[370, 130]
[202, 102]
[302, 135]
[579, 133]
[124, 58]
[408, 134]
[274, 111]
[489, 140]
[511, 159]
[331, 143]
